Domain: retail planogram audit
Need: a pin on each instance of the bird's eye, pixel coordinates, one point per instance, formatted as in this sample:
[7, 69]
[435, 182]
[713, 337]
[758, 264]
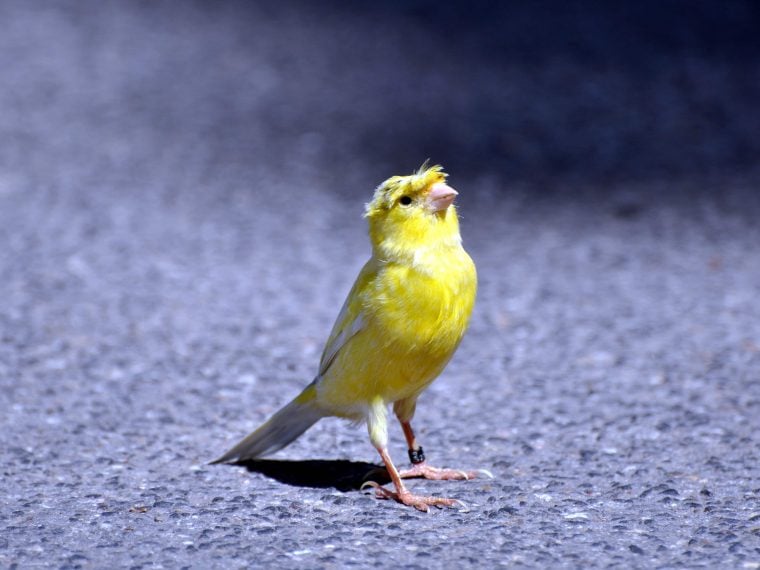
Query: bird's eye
[405, 200]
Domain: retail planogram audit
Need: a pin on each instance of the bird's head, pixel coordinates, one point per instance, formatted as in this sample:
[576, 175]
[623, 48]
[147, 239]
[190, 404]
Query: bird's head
[410, 212]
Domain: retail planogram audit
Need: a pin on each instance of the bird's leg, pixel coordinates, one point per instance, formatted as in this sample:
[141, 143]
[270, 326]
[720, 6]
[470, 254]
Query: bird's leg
[402, 494]
[420, 468]
[378, 433]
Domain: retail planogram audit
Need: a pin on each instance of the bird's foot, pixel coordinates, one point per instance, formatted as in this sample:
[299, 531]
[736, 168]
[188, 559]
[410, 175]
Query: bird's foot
[437, 474]
[418, 502]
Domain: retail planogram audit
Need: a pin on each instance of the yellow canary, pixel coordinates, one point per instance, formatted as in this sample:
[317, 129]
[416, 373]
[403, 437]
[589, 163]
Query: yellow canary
[400, 325]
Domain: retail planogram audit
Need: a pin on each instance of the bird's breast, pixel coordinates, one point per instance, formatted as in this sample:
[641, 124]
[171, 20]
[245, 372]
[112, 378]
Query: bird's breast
[414, 317]
[425, 306]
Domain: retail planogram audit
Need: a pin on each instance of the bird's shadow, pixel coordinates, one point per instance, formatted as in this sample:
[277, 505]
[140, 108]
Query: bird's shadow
[342, 475]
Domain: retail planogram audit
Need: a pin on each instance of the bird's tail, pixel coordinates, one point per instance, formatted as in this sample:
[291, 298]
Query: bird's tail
[280, 430]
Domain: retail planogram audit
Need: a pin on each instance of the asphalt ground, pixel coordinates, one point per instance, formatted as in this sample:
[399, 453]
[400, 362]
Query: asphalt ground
[181, 189]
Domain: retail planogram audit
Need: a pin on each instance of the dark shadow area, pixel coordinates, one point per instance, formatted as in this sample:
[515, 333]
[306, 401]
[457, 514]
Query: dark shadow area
[342, 475]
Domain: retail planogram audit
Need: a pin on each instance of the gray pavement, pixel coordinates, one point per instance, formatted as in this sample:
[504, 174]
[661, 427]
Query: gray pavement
[181, 188]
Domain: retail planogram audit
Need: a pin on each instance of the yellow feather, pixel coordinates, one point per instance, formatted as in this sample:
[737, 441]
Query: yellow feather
[414, 296]
[403, 319]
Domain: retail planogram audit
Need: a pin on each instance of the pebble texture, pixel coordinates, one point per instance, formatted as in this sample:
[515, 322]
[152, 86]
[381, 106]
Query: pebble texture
[181, 188]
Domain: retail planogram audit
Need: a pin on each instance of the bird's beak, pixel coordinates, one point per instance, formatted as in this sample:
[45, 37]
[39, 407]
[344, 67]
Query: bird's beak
[440, 196]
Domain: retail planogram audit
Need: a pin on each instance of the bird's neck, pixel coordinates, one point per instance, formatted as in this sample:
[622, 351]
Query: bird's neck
[413, 242]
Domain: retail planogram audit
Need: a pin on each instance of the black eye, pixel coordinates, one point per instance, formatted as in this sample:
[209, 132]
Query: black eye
[405, 200]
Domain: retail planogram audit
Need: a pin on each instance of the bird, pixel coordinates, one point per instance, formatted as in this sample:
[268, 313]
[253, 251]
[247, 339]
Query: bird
[401, 323]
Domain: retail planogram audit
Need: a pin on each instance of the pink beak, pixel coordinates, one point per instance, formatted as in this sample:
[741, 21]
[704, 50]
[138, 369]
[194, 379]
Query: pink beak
[440, 196]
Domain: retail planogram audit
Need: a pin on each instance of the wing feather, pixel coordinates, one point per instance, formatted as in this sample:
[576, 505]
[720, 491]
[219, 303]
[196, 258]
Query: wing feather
[350, 321]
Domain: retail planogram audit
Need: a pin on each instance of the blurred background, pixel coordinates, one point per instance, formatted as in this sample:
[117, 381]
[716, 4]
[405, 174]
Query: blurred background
[181, 189]
[540, 93]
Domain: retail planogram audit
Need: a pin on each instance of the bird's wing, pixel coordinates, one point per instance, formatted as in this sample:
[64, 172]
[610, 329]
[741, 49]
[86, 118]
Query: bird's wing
[337, 342]
[350, 320]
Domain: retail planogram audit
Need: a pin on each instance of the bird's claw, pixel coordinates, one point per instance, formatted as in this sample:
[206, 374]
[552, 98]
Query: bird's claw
[437, 474]
[420, 503]
[376, 486]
